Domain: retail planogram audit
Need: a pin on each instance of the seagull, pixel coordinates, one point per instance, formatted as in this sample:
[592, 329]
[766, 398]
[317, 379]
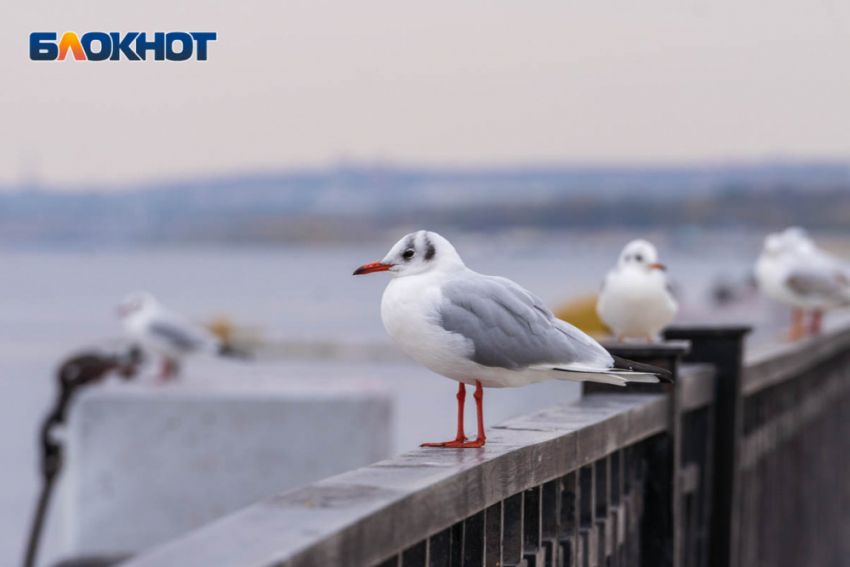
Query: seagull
[636, 301]
[485, 331]
[169, 335]
[793, 271]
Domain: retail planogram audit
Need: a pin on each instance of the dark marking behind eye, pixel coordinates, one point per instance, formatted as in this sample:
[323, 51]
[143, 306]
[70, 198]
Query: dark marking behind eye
[429, 248]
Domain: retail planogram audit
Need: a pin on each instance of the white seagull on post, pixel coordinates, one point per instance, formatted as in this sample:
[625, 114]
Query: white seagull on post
[636, 301]
[793, 271]
[169, 335]
[485, 331]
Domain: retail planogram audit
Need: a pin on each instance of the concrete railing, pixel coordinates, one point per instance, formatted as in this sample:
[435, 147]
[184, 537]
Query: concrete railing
[742, 463]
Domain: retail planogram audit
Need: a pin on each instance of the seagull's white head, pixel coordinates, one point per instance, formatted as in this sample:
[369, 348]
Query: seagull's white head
[798, 239]
[796, 234]
[416, 253]
[774, 245]
[640, 254]
[136, 303]
[790, 240]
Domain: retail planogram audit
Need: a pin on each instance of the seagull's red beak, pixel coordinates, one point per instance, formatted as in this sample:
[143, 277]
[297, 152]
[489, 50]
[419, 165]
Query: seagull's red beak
[371, 268]
[658, 266]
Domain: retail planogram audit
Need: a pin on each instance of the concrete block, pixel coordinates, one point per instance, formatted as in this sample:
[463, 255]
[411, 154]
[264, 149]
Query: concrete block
[149, 463]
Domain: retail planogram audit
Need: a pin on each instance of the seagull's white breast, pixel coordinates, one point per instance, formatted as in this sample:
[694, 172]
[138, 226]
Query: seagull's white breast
[771, 273]
[636, 303]
[411, 316]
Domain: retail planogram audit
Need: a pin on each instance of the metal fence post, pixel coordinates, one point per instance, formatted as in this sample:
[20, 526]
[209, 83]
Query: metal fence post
[724, 348]
[659, 533]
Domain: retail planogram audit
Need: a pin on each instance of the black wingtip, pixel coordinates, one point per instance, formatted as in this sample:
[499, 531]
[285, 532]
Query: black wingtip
[663, 374]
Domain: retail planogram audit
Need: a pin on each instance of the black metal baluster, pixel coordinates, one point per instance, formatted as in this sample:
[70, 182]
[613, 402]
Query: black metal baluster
[456, 556]
[601, 511]
[549, 519]
[473, 540]
[568, 535]
[493, 535]
[512, 530]
[416, 555]
[440, 549]
[531, 527]
[588, 539]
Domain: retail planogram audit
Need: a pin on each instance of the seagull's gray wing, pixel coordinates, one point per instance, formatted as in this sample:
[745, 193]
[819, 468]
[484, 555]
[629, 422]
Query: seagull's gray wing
[831, 284]
[180, 335]
[511, 328]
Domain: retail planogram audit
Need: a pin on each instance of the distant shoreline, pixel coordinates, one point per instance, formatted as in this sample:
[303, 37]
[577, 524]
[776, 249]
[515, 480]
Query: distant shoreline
[364, 204]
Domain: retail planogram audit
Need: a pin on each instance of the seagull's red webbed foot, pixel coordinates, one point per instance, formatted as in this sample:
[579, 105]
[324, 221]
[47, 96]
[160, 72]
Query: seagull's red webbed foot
[457, 444]
[460, 442]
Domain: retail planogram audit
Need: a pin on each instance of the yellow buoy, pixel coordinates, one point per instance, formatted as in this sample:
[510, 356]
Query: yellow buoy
[223, 328]
[581, 312]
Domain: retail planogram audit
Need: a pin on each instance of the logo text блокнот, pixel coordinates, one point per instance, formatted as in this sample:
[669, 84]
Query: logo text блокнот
[115, 46]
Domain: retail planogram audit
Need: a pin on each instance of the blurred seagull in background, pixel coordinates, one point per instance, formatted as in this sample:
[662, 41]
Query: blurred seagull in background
[169, 335]
[485, 331]
[636, 301]
[793, 271]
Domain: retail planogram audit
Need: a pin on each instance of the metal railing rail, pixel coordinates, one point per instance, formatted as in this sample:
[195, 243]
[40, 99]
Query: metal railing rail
[778, 362]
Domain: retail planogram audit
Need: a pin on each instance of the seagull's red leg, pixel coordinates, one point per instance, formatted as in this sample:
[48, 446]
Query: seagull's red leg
[797, 329]
[817, 319]
[461, 399]
[479, 405]
[461, 402]
[459, 443]
[164, 370]
[168, 370]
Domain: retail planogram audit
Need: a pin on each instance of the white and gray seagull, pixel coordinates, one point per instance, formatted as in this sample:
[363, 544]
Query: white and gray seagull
[172, 337]
[636, 301]
[485, 331]
[793, 271]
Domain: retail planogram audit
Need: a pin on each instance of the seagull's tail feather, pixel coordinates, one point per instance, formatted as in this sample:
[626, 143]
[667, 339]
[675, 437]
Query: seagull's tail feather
[639, 368]
[591, 376]
[234, 352]
[623, 372]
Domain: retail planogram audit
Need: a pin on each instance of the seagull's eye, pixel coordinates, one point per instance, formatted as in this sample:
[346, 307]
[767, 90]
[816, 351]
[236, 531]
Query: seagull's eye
[409, 253]
[638, 258]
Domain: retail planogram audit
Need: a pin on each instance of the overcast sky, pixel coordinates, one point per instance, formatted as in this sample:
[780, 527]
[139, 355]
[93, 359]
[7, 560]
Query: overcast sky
[312, 82]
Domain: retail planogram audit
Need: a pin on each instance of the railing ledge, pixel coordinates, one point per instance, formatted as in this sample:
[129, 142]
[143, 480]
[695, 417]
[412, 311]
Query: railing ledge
[774, 363]
[325, 523]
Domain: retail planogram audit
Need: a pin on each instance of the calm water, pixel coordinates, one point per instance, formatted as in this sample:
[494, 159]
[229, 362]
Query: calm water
[56, 302]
